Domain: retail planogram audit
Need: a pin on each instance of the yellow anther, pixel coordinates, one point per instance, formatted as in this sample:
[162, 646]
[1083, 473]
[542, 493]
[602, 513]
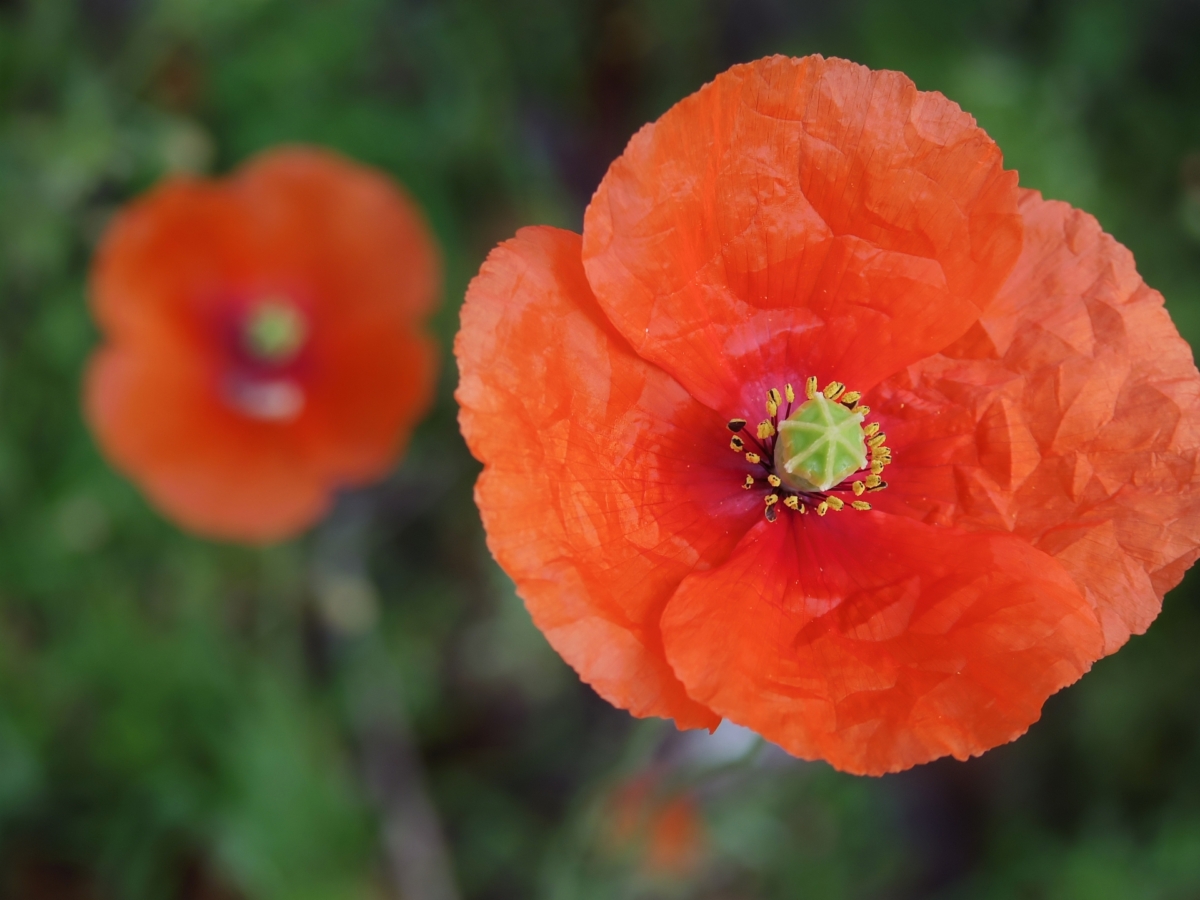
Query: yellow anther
[878, 487]
[871, 430]
[883, 453]
[753, 458]
[862, 410]
[789, 393]
[792, 502]
[749, 482]
[858, 487]
[873, 481]
[772, 499]
[835, 503]
[822, 508]
[765, 429]
[773, 401]
[850, 398]
[876, 466]
[773, 480]
[876, 440]
[860, 504]
[736, 424]
[833, 390]
[736, 443]
[810, 387]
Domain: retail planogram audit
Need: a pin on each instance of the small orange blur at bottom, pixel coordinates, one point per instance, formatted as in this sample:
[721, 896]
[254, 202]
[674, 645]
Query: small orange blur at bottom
[662, 832]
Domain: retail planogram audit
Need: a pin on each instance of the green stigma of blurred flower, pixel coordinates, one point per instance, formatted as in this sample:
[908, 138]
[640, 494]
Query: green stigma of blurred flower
[819, 445]
[274, 332]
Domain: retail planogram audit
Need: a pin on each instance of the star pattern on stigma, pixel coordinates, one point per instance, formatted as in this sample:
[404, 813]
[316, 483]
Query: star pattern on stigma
[815, 455]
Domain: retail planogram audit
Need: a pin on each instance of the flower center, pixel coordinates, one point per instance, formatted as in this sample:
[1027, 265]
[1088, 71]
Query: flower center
[814, 454]
[818, 445]
[274, 332]
[272, 335]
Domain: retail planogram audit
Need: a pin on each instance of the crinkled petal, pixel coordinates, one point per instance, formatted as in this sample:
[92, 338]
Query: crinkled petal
[1069, 416]
[798, 217]
[604, 482]
[877, 642]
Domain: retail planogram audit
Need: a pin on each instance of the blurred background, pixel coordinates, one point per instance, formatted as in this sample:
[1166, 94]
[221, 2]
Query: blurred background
[366, 712]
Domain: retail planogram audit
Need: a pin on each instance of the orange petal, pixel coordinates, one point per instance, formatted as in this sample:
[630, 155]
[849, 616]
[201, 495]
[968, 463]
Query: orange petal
[798, 217]
[1069, 415]
[877, 642]
[157, 418]
[346, 240]
[354, 234]
[372, 383]
[605, 483]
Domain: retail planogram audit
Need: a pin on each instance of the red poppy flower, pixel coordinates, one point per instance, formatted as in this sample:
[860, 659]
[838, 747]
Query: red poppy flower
[847, 251]
[664, 828]
[263, 340]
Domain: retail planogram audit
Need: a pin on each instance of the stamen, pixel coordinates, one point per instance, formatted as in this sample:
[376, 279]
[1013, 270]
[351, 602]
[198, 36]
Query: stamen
[832, 422]
[773, 401]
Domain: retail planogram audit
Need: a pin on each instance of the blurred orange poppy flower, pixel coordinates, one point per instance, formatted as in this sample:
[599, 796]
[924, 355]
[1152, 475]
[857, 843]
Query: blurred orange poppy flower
[263, 340]
[665, 829]
[837, 268]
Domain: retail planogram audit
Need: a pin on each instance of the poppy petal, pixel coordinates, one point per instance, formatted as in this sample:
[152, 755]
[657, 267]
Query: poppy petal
[878, 642]
[605, 483]
[374, 383]
[355, 234]
[1068, 415]
[155, 414]
[347, 241]
[798, 217]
